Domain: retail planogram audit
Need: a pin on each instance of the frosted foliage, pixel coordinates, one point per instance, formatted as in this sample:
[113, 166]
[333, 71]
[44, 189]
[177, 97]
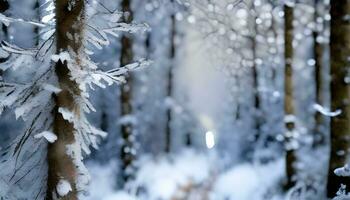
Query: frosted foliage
[343, 171]
[49, 136]
[342, 194]
[33, 102]
[324, 111]
[63, 188]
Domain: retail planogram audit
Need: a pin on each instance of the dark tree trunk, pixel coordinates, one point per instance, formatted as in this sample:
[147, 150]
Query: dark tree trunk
[126, 57]
[61, 165]
[168, 134]
[4, 6]
[36, 28]
[288, 99]
[318, 54]
[340, 93]
[257, 103]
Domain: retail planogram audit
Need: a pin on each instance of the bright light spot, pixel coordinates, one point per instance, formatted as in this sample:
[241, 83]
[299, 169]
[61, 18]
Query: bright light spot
[210, 139]
[242, 13]
[191, 19]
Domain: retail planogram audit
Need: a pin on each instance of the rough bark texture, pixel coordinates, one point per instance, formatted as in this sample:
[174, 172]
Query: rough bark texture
[61, 166]
[170, 82]
[340, 93]
[288, 88]
[318, 54]
[126, 57]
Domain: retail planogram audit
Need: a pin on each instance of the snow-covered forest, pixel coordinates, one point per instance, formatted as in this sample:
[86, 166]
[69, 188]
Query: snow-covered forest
[174, 99]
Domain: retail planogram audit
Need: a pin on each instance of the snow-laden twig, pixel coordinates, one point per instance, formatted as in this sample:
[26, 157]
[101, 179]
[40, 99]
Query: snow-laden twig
[325, 111]
[8, 20]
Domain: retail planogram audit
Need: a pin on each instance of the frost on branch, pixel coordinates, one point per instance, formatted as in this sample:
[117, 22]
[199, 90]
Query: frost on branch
[343, 171]
[63, 188]
[342, 194]
[48, 135]
[324, 111]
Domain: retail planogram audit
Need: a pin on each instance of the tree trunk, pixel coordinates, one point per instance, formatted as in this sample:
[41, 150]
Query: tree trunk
[318, 53]
[69, 21]
[257, 103]
[340, 93]
[36, 8]
[4, 6]
[288, 99]
[170, 82]
[126, 57]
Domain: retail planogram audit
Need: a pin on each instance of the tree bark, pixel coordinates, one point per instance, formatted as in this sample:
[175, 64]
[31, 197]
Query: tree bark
[257, 103]
[4, 6]
[340, 93]
[69, 20]
[126, 57]
[318, 54]
[36, 8]
[170, 81]
[288, 99]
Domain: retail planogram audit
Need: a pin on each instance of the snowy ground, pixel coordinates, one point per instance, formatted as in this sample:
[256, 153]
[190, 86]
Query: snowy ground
[190, 176]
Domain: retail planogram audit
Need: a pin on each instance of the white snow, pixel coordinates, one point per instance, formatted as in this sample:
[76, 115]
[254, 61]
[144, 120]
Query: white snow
[48, 135]
[325, 111]
[51, 88]
[48, 18]
[63, 56]
[120, 196]
[290, 119]
[247, 182]
[127, 119]
[343, 171]
[104, 180]
[67, 115]
[63, 187]
[210, 139]
[166, 177]
[169, 175]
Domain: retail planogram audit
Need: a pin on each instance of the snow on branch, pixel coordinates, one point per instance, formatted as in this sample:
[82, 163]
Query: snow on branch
[8, 20]
[325, 111]
[343, 171]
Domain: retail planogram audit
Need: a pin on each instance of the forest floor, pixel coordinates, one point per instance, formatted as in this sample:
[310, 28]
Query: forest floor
[190, 176]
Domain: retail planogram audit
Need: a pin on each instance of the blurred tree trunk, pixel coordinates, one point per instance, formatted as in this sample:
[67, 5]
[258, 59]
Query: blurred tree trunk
[36, 28]
[340, 93]
[288, 99]
[318, 54]
[4, 6]
[69, 21]
[257, 103]
[126, 57]
[170, 80]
